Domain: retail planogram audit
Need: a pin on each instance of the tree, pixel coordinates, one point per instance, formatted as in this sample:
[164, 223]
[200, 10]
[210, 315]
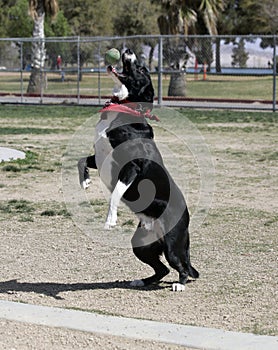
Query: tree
[5, 17]
[241, 17]
[57, 28]
[89, 17]
[138, 17]
[239, 56]
[245, 17]
[269, 10]
[183, 18]
[135, 18]
[19, 23]
[38, 10]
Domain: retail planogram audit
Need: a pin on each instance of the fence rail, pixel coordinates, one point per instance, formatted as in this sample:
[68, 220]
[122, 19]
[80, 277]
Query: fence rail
[192, 71]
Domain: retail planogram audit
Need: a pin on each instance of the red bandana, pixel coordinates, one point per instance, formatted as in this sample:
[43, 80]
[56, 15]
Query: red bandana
[115, 107]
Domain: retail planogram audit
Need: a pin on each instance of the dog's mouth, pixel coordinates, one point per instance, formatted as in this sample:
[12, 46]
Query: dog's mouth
[127, 65]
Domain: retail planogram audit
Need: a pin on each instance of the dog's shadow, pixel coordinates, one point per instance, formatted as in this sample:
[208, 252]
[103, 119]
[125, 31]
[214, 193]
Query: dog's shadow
[54, 289]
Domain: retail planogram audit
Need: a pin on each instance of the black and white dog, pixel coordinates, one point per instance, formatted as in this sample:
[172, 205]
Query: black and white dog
[132, 86]
[136, 79]
[132, 167]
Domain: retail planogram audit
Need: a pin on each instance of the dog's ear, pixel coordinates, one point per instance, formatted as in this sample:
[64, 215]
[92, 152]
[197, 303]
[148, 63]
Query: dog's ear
[129, 52]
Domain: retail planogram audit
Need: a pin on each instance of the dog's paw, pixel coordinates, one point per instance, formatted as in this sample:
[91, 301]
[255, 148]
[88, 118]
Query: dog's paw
[85, 184]
[109, 225]
[137, 283]
[178, 287]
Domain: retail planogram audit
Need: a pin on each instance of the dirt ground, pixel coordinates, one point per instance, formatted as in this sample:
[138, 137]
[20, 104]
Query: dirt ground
[49, 258]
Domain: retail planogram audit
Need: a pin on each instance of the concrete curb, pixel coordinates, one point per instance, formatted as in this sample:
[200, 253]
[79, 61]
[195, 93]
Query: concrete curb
[189, 336]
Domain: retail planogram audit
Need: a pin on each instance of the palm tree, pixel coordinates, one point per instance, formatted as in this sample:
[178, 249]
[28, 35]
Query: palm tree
[184, 18]
[38, 9]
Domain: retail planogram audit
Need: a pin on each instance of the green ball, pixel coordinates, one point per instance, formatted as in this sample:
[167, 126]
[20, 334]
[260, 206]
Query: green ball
[112, 56]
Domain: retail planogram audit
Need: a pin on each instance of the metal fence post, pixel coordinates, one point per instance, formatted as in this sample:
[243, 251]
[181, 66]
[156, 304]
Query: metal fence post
[21, 71]
[160, 62]
[274, 73]
[41, 69]
[98, 83]
[78, 70]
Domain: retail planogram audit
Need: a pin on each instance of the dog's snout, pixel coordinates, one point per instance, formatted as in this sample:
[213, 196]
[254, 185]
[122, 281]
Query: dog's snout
[129, 56]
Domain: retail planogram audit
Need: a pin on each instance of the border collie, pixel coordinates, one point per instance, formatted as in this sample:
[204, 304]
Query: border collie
[133, 86]
[132, 167]
[136, 79]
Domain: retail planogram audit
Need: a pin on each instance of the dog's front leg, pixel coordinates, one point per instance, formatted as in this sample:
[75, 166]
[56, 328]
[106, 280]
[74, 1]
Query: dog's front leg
[83, 165]
[120, 90]
[116, 196]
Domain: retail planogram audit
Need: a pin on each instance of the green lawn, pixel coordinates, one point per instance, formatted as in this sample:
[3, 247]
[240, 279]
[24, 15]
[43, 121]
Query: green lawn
[225, 87]
[232, 88]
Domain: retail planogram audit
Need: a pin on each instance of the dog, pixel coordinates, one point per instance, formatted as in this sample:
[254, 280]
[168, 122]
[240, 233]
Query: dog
[136, 79]
[132, 167]
[134, 87]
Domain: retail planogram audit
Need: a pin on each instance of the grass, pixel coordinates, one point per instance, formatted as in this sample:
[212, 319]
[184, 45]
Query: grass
[235, 246]
[17, 206]
[239, 87]
[273, 220]
[98, 202]
[232, 87]
[45, 115]
[227, 116]
[28, 208]
[258, 329]
[129, 222]
[55, 212]
[28, 130]
[30, 162]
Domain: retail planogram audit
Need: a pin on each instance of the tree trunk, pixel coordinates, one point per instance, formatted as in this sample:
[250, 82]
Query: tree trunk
[217, 55]
[177, 85]
[37, 77]
[151, 57]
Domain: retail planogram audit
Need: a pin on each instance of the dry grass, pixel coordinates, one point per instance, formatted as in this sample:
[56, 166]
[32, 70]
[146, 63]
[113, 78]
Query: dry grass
[48, 260]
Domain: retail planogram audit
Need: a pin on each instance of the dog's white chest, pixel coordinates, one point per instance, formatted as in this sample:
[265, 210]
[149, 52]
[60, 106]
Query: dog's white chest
[103, 149]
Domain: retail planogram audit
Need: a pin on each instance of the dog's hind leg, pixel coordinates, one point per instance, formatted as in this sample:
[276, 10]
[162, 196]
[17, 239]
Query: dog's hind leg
[191, 270]
[176, 263]
[126, 177]
[178, 257]
[148, 254]
[116, 196]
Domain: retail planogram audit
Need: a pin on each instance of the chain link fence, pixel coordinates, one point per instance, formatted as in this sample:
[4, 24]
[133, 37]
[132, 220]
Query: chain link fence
[193, 71]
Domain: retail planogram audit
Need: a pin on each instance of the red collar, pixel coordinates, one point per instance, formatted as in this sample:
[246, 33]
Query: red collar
[115, 107]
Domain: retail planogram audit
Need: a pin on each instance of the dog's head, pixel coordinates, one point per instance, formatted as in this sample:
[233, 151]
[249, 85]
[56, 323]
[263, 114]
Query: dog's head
[128, 58]
[137, 79]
